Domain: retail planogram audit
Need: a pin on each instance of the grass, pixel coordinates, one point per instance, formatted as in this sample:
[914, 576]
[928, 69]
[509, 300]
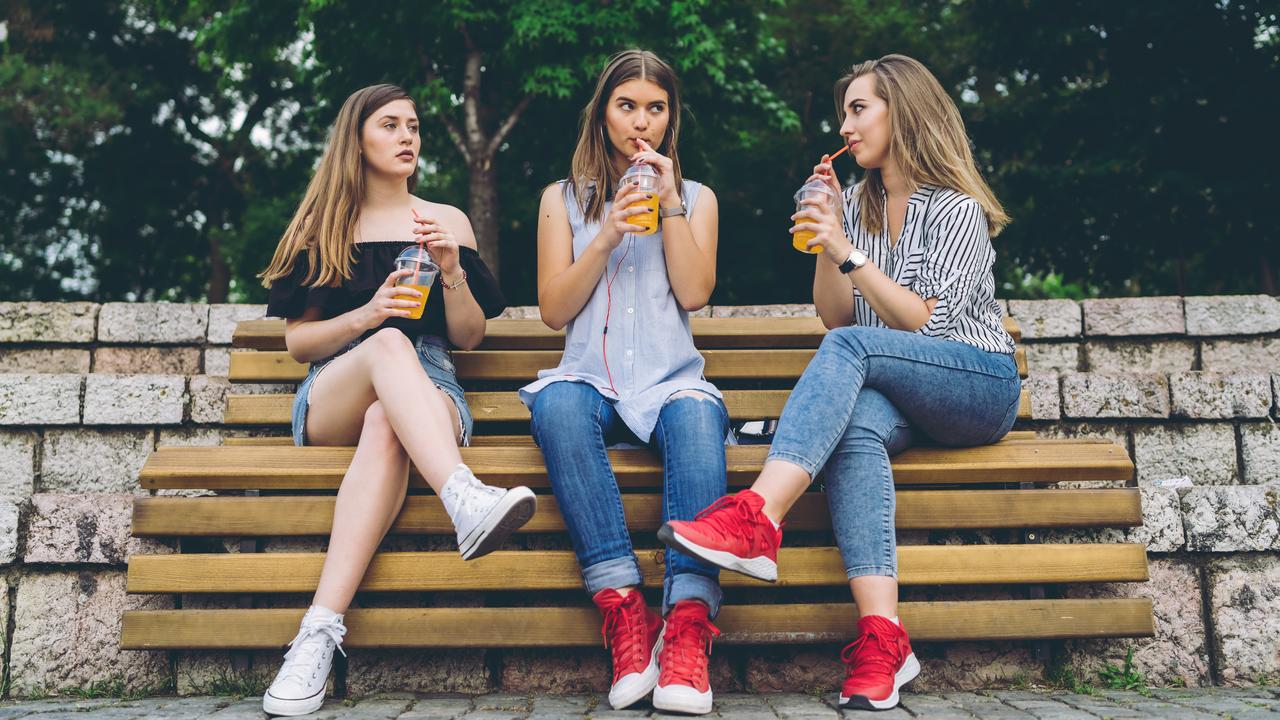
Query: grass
[1124, 677]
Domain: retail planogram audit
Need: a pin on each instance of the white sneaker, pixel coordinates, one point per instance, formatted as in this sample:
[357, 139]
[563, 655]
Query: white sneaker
[484, 516]
[299, 686]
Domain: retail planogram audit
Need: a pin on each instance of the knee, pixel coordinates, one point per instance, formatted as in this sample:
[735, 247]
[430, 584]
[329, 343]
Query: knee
[695, 408]
[377, 431]
[389, 342]
[848, 338]
[563, 410]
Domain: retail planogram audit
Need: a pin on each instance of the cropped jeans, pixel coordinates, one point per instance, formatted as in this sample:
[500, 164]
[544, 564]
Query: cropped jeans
[574, 424]
[870, 393]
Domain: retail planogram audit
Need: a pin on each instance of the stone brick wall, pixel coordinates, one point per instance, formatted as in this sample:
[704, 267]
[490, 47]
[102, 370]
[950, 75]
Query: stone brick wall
[1190, 386]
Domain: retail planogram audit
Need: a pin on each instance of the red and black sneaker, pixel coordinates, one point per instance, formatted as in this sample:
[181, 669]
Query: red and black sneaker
[733, 533]
[876, 664]
[686, 648]
[633, 633]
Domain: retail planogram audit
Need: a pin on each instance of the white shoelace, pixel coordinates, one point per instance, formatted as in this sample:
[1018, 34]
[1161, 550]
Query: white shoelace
[301, 655]
[470, 495]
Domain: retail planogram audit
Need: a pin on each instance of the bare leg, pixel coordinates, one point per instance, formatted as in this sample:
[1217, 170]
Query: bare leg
[385, 368]
[875, 595]
[781, 484]
[369, 500]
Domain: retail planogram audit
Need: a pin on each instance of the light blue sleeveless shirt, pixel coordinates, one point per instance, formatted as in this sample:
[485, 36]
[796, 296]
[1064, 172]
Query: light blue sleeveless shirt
[650, 353]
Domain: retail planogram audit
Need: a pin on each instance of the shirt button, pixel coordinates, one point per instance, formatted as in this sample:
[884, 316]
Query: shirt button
[630, 310]
[631, 268]
[628, 353]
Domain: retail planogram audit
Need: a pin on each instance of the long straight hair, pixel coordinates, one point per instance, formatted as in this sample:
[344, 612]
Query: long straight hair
[326, 218]
[927, 139]
[592, 176]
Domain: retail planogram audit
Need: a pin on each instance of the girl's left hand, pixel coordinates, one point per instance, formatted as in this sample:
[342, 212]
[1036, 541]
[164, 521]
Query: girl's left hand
[818, 215]
[441, 244]
[668, 193]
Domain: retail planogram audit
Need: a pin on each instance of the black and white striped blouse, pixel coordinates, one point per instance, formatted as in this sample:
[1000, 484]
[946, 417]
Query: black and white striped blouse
[944, 252]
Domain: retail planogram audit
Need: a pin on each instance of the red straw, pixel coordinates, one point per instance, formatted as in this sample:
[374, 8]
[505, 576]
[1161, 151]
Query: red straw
[838, 153]
[418, 263]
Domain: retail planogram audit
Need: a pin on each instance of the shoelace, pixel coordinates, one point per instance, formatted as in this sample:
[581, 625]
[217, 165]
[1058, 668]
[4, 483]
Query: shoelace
[301, 655]
[684, 634]
[863, 664]
[471, 496]
[628, 649]
[736, 509]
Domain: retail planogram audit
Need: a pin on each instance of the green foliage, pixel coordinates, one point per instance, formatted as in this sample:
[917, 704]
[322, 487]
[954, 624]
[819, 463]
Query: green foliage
[1123, 677]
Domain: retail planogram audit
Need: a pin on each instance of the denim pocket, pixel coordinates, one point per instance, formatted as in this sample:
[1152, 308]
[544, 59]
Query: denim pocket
[439, 357]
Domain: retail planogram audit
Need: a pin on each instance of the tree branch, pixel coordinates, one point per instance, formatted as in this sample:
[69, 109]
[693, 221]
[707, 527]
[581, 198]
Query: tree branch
[505, 128]
[449, 126]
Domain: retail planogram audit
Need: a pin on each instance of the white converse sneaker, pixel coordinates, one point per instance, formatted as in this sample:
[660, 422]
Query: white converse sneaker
[299, 686]
[484, 516]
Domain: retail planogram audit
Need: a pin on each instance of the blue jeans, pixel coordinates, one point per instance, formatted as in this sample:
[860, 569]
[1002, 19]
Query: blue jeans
[869, 393]
[573, 424]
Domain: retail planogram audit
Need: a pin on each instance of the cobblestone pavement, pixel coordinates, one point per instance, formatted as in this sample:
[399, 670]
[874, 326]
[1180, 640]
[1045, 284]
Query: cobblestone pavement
[1234, 703]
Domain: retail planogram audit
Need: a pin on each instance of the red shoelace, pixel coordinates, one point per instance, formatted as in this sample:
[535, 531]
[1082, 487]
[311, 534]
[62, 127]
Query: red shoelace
[870, 657]
[738, 512]
[686, 649]
[624, 624]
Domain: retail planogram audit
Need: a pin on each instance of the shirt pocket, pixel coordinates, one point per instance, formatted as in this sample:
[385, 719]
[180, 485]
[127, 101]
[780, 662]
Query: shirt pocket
[909, 267]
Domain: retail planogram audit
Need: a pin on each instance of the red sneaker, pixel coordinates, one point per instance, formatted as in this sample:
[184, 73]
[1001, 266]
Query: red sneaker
[684, 686]
[634, 633]
[733, 533]
[878, 663]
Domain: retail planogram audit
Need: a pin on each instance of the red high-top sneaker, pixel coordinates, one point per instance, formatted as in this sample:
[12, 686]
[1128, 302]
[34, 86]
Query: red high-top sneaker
[877, 663]
[633, 633]
[733, 533]
[684, 686]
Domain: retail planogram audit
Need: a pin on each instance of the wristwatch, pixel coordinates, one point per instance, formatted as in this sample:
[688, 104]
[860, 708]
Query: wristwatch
[856, 259]
[671, 212]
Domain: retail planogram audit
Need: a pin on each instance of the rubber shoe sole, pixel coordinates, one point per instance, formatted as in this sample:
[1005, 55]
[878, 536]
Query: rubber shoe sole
[623, 695]
[273, 705]
[682, 698]
[508, 515]
[909, 670]
[760, 568]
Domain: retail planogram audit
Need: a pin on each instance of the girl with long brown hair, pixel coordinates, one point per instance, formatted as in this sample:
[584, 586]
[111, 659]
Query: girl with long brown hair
[382, 376]
[621, 265]
[917, 350]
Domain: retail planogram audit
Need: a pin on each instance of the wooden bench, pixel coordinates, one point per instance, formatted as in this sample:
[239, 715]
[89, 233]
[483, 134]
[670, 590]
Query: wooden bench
[272, 489]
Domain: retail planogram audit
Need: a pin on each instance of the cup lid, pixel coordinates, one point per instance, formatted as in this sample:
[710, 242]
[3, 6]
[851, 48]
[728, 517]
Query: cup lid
[814, 186]
[640, 169]
[417, 254]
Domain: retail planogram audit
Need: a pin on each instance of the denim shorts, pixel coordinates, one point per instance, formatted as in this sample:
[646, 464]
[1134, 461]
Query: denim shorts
[436, 359]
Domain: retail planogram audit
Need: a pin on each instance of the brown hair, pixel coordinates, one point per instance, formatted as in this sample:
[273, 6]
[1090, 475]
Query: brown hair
[326, 218]
[592, 176]
[927, 139]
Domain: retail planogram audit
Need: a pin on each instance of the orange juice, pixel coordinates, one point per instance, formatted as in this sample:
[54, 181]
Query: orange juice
[800, 237]
[649, 220]
[415, 313]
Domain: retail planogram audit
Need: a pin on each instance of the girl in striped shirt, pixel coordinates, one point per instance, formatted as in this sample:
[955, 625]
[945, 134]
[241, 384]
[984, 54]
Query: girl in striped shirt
[917, 351]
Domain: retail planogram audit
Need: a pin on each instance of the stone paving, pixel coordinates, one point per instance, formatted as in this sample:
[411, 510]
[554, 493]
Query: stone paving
[1175, 703]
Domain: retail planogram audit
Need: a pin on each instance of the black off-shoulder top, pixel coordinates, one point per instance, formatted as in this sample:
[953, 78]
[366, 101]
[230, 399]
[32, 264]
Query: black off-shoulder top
[290, 297]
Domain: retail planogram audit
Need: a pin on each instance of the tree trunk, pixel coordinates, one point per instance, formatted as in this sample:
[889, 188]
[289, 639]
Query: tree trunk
[219, 274]
[483, 191]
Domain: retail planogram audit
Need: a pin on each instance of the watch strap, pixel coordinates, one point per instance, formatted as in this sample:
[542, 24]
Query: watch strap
[671, 212]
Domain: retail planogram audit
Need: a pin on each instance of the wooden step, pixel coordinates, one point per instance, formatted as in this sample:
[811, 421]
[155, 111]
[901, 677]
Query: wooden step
[527, 441]
[580, 626]
[277, 367]
[315, 468]
[916, 510]
[766, 332]
[531, 570]
[506, 407]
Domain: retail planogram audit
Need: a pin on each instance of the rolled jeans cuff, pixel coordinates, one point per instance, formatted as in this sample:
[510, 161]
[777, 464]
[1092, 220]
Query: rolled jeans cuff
[794, 459]
[616, 573]
[863, 570]
[692, 586]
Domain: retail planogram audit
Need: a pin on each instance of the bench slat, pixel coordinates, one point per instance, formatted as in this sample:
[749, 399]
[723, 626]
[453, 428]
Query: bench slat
[276, 409]
[288, 467]
[766, 332]
[916, 510]
[580, 627]
[277, 367]
[527, 441]
[558, 569]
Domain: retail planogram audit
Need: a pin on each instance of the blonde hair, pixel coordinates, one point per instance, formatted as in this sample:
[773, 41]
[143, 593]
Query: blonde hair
[592, 176]
[326, 218]
[927, 140]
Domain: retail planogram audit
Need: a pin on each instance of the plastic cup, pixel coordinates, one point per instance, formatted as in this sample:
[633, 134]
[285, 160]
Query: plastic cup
[647, 182]
[812, 189]
[423, 277]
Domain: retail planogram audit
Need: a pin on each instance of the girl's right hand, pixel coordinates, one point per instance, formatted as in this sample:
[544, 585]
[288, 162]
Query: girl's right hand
[823, 171]
[391, 300]
[617, 224]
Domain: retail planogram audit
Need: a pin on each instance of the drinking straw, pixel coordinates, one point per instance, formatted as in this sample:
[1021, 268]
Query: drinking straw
[418, 261]
[838, 152]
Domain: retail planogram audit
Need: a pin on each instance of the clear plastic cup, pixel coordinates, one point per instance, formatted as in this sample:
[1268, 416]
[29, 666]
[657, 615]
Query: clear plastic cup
[424, 276]
[647, 182]
[812, 189]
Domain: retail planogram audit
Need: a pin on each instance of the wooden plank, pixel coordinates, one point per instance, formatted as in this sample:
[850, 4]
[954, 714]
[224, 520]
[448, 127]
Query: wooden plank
[765, 332]
[580, 627]
[525, 440]
[277, 409]
[278, 367]
[281, 467]
[916, 510]
[558, 570]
